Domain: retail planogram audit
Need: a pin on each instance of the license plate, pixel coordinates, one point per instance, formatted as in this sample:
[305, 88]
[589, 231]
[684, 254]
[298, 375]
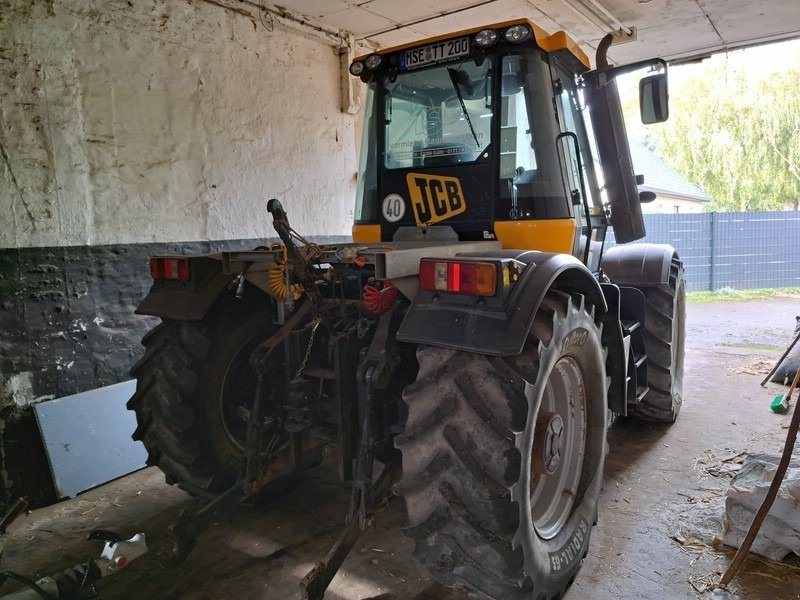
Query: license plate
[434, 53]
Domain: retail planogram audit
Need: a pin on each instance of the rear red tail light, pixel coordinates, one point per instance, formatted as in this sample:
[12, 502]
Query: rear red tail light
[170, 268]
[458, 277]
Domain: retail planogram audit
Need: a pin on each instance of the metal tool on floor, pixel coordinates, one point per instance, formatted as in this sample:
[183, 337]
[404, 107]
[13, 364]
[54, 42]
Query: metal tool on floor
[80, 580]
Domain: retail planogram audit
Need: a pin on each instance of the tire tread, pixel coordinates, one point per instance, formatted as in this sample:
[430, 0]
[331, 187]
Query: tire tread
[663, 401]
[460, 462]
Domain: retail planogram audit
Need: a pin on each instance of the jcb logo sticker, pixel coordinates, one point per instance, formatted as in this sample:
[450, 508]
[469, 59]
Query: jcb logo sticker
[434, 198]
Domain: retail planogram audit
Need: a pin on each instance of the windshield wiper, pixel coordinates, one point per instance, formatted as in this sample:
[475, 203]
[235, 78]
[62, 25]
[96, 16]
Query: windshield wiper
[454, 78]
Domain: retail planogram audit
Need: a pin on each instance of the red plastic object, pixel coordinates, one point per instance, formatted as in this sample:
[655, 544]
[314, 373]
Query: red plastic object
[379, 301]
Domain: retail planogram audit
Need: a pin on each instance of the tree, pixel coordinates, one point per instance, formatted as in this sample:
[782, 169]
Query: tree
[735, 132]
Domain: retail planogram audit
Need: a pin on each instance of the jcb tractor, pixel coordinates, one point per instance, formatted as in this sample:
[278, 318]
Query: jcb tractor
[467, 350]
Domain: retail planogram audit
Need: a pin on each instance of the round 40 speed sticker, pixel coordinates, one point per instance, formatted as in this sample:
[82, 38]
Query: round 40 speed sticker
[394, 208]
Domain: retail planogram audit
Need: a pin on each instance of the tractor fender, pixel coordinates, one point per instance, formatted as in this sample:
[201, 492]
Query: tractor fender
[639, 264]
[431, 320]
[191, 300]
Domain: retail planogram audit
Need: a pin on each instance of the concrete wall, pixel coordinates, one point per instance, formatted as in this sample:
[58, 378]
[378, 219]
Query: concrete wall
[151, 121]
[142, 126]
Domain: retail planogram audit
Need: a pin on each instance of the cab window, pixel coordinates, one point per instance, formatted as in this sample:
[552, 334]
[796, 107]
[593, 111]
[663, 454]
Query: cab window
[532, 184]
[438, 116]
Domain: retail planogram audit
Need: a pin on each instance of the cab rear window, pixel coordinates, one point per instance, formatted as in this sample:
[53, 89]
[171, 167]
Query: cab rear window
[439, 115]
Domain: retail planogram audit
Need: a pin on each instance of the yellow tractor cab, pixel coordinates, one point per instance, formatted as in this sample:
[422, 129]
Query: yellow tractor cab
[485, 134]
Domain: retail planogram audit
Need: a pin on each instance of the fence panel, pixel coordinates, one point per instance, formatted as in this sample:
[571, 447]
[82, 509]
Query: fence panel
[736, 250]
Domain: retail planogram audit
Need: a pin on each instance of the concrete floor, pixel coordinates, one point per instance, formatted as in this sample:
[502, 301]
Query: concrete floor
[660, 488]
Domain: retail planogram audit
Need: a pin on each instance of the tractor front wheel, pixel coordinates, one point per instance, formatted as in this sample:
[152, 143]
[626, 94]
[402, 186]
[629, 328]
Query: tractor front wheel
[664, 343]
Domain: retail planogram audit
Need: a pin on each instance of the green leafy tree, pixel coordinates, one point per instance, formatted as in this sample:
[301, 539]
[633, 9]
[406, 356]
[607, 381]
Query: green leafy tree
[736, 133]
[779, 122]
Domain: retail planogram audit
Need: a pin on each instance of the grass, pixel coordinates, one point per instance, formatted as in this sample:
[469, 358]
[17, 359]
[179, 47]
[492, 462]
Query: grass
[752, 346]
[736, 295]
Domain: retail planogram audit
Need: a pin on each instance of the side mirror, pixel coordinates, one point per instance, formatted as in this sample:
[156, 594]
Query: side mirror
[645, 197]
[654, 99]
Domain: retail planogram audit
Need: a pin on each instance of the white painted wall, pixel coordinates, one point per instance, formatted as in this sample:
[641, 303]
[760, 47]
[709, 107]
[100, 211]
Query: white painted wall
[165, 120]
[666, 204]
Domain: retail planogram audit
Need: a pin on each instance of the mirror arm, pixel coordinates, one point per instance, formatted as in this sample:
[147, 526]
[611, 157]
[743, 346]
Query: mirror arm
[612, 71]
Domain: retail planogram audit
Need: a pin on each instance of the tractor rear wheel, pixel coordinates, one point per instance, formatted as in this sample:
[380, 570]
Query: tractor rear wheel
[194, 388]
[664, 343]
[503, 457]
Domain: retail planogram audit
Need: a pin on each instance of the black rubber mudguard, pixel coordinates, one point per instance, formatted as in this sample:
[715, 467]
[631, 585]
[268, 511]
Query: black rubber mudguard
[432, 320]
[638, 264]
[190, 300]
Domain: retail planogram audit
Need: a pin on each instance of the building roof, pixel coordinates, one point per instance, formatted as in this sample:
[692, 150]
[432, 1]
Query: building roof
[660, 178]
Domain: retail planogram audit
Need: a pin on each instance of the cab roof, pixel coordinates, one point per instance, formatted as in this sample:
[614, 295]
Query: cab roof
[546, 41]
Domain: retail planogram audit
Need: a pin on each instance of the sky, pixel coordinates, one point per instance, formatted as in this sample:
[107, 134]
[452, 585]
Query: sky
[763, 60]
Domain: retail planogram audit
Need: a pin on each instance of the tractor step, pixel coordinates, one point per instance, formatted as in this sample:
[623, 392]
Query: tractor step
[629, 326]
[641, 390]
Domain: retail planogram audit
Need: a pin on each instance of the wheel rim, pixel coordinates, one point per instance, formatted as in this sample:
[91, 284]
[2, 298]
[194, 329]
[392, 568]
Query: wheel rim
[560, 447]
[238, 393]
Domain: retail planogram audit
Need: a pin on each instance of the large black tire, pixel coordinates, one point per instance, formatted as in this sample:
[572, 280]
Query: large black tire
[664, 344]
[482, 519]
[192, 380]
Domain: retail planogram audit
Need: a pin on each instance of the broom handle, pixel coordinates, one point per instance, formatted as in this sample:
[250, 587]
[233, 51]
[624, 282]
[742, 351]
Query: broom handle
[780, 360]
[766, 504]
